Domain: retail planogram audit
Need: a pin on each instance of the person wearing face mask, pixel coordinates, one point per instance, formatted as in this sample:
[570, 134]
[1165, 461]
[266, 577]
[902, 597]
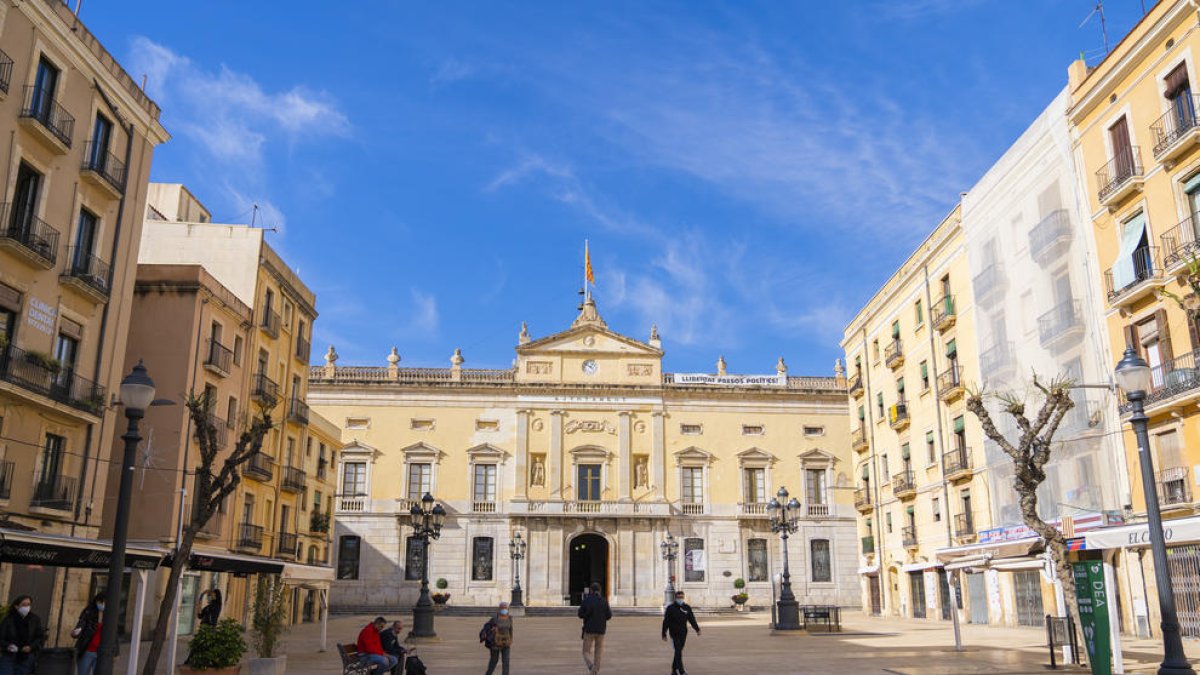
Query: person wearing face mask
[675, 622]
[499, 631]
[87, 635]
[21, 636]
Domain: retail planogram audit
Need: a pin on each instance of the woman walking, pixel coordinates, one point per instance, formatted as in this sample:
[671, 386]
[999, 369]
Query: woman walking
[211, 613]
[87, 635]
[21, 636]
[499, 630]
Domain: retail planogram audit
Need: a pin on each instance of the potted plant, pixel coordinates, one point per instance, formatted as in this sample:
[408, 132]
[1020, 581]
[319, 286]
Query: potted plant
[740, 598]
[320, 521]
[215, 650]
[441, 598]
[43, 360]
[268, 625]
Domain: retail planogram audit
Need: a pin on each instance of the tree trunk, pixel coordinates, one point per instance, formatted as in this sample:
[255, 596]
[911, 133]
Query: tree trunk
[167, 609]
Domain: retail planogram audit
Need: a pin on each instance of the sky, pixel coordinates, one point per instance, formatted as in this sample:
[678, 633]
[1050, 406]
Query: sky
[747, 174]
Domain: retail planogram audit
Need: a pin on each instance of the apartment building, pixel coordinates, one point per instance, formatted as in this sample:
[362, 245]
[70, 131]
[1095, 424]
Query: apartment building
[79, 137]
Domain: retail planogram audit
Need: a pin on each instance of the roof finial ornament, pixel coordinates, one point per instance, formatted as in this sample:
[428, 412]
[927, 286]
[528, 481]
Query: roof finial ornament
[589, 315]
[781, 367]
[331, 357]
[523, 338]
[721, 365]
[655, 341]
[457, 359]
[394, 357]
[839, 371]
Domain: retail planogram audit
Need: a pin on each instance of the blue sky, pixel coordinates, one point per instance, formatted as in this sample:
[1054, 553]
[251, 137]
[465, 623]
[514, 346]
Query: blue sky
[748, 173]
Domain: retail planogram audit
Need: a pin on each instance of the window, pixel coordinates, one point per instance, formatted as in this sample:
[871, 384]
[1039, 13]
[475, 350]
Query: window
[291, 452]
[287, 314]
[358, 422]
[888, 521]
[248, 509]
[66, 351]
[481, 558]
[45, 86]
[752, 430]
[414, 558]
[354, 479]
[25, 201]
[906, 455]
[930, 450]
[692, 488]
[317, 498]
[101, 137]
[814, 484]
[822, 570]
[85, 245]
[348, 552]
[883, 466]
[1178, 90]
[896, 330]
[487, 425]
[420, 480]
[920, 313]
[694, 562]
[421, 425]
[691, 429]
[924, 376]
[900, 389]
[937, 510]
[588, 488]
[814, 431]
[756, 560]
[875, 350]
[879, 405]
[237, 350]
[755, 485]
[960, 433]
[231, 412]
[52, 464]
[862, 415]
[485, 483]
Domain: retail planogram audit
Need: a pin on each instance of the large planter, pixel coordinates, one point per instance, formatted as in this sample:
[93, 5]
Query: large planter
[273, 666]
[188, 670]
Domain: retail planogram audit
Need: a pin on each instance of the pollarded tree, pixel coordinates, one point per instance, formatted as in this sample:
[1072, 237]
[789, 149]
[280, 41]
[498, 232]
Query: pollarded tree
[215, 481]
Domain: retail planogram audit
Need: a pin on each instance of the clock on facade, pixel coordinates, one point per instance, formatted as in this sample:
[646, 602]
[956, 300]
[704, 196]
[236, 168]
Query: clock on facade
[590, 367]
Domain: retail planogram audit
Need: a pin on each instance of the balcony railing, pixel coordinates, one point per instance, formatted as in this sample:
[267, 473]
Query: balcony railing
[265, 390]
[957, 461]
[30, 233]
[903, 483]
[964, 525]
[1176, 124]
[858, 440]
[57, 493]
[43, 375]
[270, 322]
[485, 506]
[1174, 486]
[1175, 378]
[989, 281]
[1179, 244]
[893, 354]
[41, 106]
[218, 357]
[6, 477]
[105, 165]
[250, 536]
[298, 411]
[944, 313]
[6, 68]
[1121, 170]
[996, 358]
[1047, 236]
[1145, 265]
[692, 508]
[754, 508]
[289, 544]
[1059, 323]
[220, 430]
[862, 498]
[855, 385]
[816, 510]
[303, 349]
[294, 480]
[260, 466]
[88, 269]
[898, 416]
[950, 383]
[909, 536]
[868, 545]
[352, 503]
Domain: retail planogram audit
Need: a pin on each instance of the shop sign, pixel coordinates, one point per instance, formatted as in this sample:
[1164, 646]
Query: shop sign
[65, 555]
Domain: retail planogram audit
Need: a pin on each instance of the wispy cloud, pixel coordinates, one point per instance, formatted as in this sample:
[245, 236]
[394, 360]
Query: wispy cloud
[423, 318]
[908, 10]
[449, 71]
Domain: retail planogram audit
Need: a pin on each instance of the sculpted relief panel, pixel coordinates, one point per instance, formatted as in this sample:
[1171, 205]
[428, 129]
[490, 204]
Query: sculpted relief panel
[591, 426]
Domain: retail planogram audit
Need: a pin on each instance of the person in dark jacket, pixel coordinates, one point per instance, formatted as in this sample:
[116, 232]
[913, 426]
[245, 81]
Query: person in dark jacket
[676, 618]
[21, 637]
[211, 614]
[389, 639]
[87, 635]
[595, 613]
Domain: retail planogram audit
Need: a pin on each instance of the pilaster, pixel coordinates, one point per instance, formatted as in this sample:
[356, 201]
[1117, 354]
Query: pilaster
[522, 463]
[624, 443]
[555, 460]
[659, 460]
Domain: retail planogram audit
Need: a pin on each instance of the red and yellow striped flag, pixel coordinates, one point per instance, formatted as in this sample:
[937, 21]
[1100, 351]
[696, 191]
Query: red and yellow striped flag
[587, 262]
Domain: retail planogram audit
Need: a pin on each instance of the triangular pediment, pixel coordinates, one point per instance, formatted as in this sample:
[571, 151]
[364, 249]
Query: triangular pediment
[486, 452]
[818, 456]
[693, 455]
[422, 450]
[756, 456]
[591, 339]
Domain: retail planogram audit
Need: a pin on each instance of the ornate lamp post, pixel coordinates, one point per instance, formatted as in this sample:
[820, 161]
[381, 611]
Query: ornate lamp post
[670, 550]
[427, 520]
[784, 513]
[1133, 377]
[516, 551]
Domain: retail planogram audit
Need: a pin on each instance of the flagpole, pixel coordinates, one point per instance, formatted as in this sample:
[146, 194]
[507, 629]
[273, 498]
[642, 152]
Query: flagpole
[587, 291]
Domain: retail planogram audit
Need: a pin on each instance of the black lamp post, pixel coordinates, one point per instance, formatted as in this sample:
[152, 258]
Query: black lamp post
[516, 551]
[1133, 377]
[670, 549]
[427, 520]
[137, 393]
[784, 513]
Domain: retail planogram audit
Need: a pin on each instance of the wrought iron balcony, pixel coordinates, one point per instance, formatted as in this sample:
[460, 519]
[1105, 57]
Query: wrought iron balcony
[265, 390]
[908, 536]
[944, 314]
[904, 485]
[298, 411]
[43, 375]
[55, 492]
[28, 236]
[964, 526]
[289, 545]
[260, 466]
[958, 464]
[6, 478]
[303, 350]
[218, 358]
[855, 385]
[294, 480]
[41, 107]
[103, 168]
[1179, 243]
[1137, 280]
[868, 545]
[250, 537]
[862, 499]
[898, 416]
[1174, 488]
[6, 68]
[990, 282]
[893, 354]
[220, 430]
[997, 359]
[1175, 381]
[270, 322]
[1176, 129]
[1051, 238]
[1120, 177]
[1061, 326]
[87, 273]
[858, 440]
[950, 385]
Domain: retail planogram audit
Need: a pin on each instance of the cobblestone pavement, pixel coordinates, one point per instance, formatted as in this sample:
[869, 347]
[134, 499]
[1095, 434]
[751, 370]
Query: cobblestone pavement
[729, 644]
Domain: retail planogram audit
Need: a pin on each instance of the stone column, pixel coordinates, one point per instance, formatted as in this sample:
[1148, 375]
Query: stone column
[625, 464]
[555, 460]
[659, 461]
[522, 462]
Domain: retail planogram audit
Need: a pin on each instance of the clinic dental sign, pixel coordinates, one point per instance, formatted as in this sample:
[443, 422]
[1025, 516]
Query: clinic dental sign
[1092, 597]
[731, 380]
[40, 316]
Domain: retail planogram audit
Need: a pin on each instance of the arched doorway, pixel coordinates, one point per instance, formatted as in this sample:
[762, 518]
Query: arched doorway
[588, 564]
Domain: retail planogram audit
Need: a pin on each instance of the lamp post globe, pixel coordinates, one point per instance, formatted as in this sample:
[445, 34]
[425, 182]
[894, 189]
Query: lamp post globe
[427, 520]
[783, 514]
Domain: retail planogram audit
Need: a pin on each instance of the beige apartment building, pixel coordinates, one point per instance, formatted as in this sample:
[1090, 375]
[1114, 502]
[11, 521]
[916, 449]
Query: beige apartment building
[79, 135]
[595, 455]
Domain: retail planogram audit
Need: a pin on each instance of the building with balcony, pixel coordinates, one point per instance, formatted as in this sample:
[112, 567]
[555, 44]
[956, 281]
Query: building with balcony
[65, 242]
[594, 454]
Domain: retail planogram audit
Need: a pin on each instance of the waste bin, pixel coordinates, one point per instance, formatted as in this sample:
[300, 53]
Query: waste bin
[57, 661]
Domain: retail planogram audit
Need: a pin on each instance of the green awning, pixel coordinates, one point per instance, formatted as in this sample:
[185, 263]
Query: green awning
[959, 425]
[900, 385]
[896, 329]
[909, 510]
[866, 472]
[951, 348]
[862, 413]
[929, 437]
[924, 370]
[904, 451]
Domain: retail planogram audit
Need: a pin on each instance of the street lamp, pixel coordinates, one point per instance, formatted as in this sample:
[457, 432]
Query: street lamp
[784, 513]
[670, 549]
[137, 394]
[1133, 377]
[427, 520]
[516, 551]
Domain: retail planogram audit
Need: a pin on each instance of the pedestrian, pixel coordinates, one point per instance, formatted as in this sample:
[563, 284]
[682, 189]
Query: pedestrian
[370, 647]
[211, 614]
[21, 636]
[595, 613]
[676, 618]
[87, 635]
[499, 631]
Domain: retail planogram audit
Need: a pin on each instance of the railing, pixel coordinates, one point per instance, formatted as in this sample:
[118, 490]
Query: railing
[6, 476]
[868, 545]
[30, 232]
[1174, 486]
[854, 385]
[583, 506]
[692, 508]
[898, 415]
[322, 466]
[1053, 324]
[104, 164]
[220, 430]
[1125, 165]
[488, 506]
[943, 311]
[213, 526]
[949, 381]
[858, 439]
[289, 543]
[265, 389]
[1176, 123]
[957, 460]
[754, 508]
[1179, 376]
[1054, 227]
[294, 479]
[817, 510]
[964, 525]
[303, 349]
[250, 536]
[43, 375]
[862, 497]
[260, 465]
[270, 322]
[1179, 243]
[908, 536]
[6, 68]
[1145, 266]
[41, 106]
[89, 269]
[219, 356]
[298, 411]
[57, 493]
[903, 482]
[997, 357]
[352, 503]
[991, 279]
[893, 353]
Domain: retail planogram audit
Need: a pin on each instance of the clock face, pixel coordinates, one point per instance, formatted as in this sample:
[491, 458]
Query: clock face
[590, 367]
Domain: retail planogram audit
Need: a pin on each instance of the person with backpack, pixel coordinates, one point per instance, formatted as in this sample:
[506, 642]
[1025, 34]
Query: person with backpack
[497, 636]
[596, 614]
[87, 635]
[676, 618]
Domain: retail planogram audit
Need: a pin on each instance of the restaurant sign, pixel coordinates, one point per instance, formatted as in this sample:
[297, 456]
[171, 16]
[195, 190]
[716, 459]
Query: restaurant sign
[66, 555]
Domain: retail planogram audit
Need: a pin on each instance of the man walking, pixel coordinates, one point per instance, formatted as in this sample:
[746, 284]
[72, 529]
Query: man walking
[676, 618]
[595, 613]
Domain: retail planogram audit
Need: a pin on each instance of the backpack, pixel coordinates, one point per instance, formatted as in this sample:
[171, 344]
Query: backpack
[487, 634]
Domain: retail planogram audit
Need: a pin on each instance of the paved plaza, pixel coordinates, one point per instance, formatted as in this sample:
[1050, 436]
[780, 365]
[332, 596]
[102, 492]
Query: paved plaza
[729, 644]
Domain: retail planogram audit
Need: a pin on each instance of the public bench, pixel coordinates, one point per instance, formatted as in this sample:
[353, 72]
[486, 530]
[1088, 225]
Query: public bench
[825, 618]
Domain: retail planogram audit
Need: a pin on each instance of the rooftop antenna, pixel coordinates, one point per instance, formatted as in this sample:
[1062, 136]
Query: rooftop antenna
[253, 214]
[1099, 9]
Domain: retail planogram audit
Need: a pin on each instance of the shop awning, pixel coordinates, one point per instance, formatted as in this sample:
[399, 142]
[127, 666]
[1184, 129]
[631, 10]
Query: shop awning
[969, 561]
[1016, 564]
[1178, 531]
[919, 567]
[220, 561]
[869, 570]
[999, 549]
[35, 548]
[311, 577]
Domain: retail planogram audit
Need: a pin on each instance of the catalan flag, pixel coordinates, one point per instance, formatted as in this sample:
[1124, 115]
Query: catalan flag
[587, 265]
